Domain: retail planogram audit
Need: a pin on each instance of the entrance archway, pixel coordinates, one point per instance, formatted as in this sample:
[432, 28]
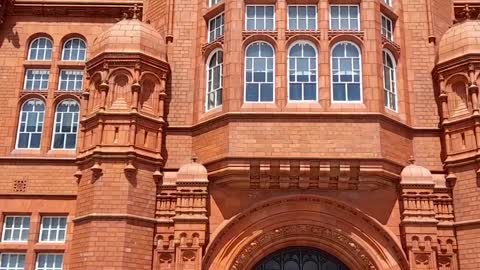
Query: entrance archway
[359, 241]
[300, 258]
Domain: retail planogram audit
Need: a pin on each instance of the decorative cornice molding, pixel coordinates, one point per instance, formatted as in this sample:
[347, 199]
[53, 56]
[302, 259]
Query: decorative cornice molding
[71, 8]
[366, 117]
[113, 216]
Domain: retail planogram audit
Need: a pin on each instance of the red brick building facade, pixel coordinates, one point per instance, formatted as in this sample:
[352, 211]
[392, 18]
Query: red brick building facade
[244, 135]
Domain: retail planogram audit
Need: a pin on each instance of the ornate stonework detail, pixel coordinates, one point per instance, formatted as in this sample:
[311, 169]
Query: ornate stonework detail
[165, 258]
[422, 259]
[356, 34]
[188, 256]
[4, 5]
[302, 34]
[20, 185]
[466, 12]
[271, 236]
[271, 34]
[296, 174]
[309, 200]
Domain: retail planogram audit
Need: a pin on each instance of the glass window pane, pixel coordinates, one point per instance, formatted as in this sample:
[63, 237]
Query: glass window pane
[339, 92]
[295, 91]
[266, 90]
[354, 92]
[252, 92]
[310, 91]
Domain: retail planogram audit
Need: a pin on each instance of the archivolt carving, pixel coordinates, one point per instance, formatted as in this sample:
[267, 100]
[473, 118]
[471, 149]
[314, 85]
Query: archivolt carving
[309, 200]
[336, 236]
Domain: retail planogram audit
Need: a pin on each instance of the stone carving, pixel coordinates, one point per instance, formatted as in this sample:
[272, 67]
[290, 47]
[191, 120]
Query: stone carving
[335, 206]
[188, 256]
[20, 185]
[334, 235]
[422, 259]
[444, 263]
[165, 258]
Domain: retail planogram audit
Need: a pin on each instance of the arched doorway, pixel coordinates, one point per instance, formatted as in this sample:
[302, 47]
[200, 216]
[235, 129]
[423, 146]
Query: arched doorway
[300, 258]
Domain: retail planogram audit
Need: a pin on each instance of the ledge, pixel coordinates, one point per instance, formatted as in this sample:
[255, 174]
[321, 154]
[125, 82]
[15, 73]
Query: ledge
[367, 117]
[214, 11]
[114, 216]
[473, 222]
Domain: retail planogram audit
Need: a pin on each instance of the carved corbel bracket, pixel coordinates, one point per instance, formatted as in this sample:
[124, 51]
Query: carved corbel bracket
[97, 172]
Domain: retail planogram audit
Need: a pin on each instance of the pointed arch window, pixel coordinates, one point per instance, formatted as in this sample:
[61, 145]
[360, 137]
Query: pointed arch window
[346, 73]
[259, 72]
[74, 49]
[302, 72]
[40, 49]
[214, 80]
[389, 81]
[30, 124]
[66, 125]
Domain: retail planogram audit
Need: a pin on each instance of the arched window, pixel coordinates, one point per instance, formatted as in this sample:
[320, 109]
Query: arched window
[302, 72]
[30, 124]
[66, 125]
[74, 50]
[259, 72]
[40, 49]
[215, 80]
[346, 73]
[389, 81]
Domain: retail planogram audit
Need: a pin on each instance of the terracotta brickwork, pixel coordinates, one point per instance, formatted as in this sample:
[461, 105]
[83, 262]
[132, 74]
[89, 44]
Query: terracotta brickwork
[144, 150]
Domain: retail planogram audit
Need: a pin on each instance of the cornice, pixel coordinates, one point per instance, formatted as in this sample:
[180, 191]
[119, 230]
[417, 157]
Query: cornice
[452, 64]
[364, 117]
[96, 8]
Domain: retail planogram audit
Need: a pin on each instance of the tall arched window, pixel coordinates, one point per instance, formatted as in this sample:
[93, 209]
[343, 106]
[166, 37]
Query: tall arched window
[389, 81]
[302, 72]
[40, 49]
[66, 125]
[259, 72]
[215, 80]
[346, 73]
[30, 124]
[74, 50]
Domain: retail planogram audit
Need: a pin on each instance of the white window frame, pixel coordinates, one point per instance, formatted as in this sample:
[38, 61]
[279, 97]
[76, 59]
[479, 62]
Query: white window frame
[215, 91]
[349, 19]
[41, 72]
[222, 27]
[9, 254]
[393, 81]
[78, 48]
[48, 268]
[245, 75]
[297, 6]
[22, 229]
[360, 75]
[316, 74]
[45, 48]
[212, 3]
[385, 31]
[60, 80]
[39, 121]
[50, 229]
[264, 19]
[54, 132]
